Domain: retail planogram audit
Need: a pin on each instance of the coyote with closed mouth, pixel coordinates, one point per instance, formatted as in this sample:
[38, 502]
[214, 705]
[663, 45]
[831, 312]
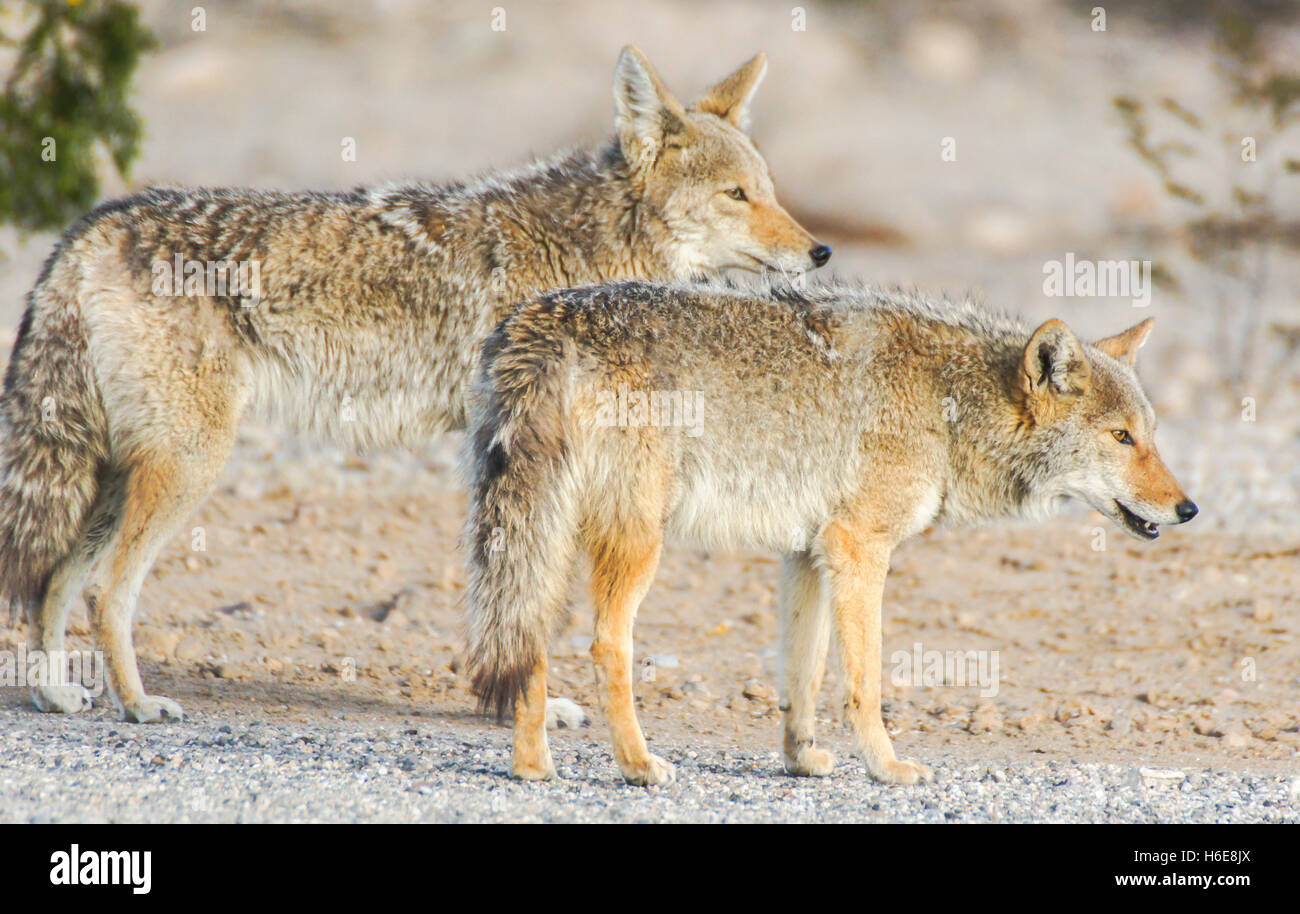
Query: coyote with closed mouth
[162, 318]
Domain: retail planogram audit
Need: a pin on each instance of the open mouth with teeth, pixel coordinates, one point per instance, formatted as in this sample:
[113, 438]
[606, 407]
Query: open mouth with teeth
[1136, 525]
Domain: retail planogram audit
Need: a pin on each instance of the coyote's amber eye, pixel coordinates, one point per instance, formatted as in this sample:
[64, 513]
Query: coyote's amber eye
[1122, 436]
[737, 193]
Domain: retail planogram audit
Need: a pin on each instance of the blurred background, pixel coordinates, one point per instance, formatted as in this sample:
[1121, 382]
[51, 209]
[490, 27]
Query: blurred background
[960, 148]
[955, 147]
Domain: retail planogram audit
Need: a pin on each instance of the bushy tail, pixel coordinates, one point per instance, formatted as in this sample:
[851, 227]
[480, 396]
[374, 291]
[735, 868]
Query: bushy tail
[521, 533]
[53, 443]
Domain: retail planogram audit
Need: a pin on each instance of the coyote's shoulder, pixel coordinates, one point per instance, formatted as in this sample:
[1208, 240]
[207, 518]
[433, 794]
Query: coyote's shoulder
[161, 319]
[832, 423]
[328, 252]
[370, 299]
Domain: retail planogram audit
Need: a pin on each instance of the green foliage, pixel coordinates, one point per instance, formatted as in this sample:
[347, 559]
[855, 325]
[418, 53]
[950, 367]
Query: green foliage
[65, 102]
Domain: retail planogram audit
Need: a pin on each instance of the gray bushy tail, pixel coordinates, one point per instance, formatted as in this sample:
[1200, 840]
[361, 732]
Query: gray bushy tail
[53, 443]
[521, 533]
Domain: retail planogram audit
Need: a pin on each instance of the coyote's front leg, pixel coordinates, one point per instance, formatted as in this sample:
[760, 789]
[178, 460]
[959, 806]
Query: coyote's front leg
[857, 560]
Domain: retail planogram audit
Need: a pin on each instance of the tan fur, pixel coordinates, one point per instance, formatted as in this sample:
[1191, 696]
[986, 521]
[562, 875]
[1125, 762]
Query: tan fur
[855, 419]
[803, 663]
[1124, 346]
[622, 568]
[123, 397]
[532, 756]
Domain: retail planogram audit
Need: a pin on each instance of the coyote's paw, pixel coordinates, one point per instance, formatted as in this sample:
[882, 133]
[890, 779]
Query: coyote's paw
[655, 772]
[900, 771]
[61, 699]
[531, 771]
[152, 709]
[811, 762]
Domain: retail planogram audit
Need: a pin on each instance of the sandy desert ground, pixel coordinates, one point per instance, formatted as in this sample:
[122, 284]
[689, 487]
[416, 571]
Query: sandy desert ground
[327, 592]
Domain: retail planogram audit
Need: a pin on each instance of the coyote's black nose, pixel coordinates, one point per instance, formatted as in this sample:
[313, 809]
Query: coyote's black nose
[820, 255]
[1185, 510]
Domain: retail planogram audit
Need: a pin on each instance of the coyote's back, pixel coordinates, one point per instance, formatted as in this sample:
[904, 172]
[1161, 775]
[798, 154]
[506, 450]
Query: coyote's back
[161, 319]
[830, 425]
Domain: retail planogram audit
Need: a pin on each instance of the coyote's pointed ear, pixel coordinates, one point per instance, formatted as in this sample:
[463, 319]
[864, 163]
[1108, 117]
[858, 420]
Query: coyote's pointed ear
[1054, 364]
[646, 112]
[1124, 346]
[729, 99]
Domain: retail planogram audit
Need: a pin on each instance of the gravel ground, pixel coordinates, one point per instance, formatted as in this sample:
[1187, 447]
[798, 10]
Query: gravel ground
[91, 770]
[1181, 654]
